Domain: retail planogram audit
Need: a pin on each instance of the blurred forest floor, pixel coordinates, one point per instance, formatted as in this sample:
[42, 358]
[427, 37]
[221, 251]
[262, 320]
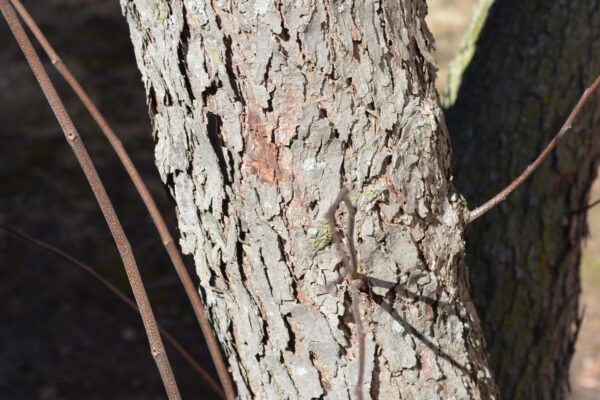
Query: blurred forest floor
[62, 336]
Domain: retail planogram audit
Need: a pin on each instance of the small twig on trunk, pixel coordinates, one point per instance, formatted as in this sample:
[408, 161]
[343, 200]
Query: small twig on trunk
[587, 208]
[354, 290]
[205, 376]
[156, 345]
[348, 260]
[155, 215]
[350, 274]
[479, 211]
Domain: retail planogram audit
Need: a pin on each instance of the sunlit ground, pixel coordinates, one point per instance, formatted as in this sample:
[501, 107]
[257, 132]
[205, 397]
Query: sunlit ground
[447, 21]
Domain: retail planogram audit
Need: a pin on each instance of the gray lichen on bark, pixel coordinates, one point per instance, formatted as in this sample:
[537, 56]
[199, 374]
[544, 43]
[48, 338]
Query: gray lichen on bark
[262, 111]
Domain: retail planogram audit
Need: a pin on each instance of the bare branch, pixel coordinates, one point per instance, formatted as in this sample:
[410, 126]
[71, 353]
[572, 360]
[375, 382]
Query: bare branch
[350, 273]
[155, 215]
[479, 211]
[156, 345]
[592, 205]
[587, 208]
[205, 376]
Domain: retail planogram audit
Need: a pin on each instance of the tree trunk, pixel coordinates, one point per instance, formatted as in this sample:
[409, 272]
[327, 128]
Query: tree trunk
[531, 63]
[262, 112]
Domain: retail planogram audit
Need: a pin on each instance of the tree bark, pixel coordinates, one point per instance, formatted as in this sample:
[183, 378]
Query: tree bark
[529, 66]
[262, 112]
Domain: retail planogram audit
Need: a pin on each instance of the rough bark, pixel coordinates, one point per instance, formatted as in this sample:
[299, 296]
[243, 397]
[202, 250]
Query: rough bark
[529, 66]
[262, 111]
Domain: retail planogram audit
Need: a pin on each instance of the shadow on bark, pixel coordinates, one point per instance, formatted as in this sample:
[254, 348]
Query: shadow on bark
[387, 304]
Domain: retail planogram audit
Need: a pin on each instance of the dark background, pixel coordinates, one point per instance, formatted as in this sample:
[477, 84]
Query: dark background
[62, 335]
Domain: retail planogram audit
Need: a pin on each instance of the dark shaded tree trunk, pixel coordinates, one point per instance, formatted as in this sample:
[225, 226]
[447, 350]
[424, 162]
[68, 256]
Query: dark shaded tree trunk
[531, 63]
[262, 111]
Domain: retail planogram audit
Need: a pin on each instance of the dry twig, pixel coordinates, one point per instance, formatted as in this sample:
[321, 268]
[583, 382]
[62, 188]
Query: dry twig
[491, 203]
[587, 208]
[74, 140]
[155, 215]
[350, 274]
[205, 376]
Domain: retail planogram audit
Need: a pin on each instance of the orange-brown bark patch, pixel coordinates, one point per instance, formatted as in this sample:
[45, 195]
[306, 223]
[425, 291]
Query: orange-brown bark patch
[262, 155]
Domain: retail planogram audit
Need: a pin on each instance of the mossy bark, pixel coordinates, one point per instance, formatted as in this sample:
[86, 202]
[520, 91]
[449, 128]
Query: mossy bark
[529, 66]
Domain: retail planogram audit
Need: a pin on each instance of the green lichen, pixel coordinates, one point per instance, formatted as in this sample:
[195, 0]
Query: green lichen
[370, 195]
[163, 13]
[422, 134]
[324, 239]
